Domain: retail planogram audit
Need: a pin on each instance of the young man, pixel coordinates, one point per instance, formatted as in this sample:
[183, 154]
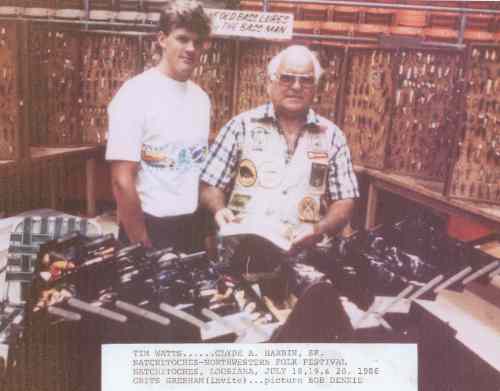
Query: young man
[158, 135]
[282, 162]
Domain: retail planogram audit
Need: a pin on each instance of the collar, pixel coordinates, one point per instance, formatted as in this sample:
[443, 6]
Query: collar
[266, 113]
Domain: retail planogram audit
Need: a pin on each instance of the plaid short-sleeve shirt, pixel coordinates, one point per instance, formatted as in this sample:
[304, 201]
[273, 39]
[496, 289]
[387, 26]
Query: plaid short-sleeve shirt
[224, 154]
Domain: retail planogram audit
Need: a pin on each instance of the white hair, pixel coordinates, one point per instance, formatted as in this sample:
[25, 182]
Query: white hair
[272, 67]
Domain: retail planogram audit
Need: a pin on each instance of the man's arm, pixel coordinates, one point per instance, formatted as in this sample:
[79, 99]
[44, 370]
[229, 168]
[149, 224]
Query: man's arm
[218, 171]
[214, 199]
[123, 181]
[337, 216]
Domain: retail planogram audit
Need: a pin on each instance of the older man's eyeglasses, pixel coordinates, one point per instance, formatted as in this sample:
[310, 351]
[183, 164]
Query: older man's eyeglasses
[288, 80]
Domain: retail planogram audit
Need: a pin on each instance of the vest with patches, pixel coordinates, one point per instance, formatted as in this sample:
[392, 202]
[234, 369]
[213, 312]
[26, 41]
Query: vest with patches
[269, 187]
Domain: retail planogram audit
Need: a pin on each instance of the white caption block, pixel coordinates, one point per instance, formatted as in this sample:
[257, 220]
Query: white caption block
[254, 367]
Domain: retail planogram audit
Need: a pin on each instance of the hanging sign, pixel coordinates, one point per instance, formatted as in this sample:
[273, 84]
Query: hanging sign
[265, 25]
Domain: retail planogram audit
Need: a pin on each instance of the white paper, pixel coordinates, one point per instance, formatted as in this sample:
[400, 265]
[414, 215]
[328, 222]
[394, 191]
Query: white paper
[290, 367]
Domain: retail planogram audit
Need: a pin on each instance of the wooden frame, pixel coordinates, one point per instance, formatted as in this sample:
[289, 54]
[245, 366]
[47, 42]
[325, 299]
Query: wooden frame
[426, 193]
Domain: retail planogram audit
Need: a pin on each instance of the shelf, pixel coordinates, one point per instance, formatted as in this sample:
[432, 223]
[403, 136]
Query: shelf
[427, 193]
[42, 172]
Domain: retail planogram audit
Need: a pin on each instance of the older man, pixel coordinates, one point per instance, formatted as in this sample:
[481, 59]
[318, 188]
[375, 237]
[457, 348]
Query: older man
[282, 162]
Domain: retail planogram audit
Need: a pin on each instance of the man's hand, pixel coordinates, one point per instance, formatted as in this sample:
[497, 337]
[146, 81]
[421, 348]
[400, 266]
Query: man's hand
[304, 236]
[224, 216]
[214, 200]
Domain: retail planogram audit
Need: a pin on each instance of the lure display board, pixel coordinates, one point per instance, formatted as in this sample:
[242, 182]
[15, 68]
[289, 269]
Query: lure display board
[476, 171]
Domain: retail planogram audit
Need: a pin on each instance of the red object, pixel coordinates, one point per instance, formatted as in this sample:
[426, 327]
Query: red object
[466, 230]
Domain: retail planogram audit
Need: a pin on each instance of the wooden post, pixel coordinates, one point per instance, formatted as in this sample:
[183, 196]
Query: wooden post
[24, 85]
[460, 87]
[371, 206]
[90, 178]
[395, 62]
[52, 179]
[340, 106]
[236, 79]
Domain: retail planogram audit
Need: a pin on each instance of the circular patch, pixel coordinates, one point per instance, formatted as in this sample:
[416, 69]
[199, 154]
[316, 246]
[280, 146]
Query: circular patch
[270, 175]
[308, 209]
[247, 173]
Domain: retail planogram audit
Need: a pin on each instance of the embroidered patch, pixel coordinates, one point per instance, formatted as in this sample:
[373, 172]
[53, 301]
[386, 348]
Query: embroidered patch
[239, 202]
[247, 173]
[308, 209]
[317, 179]
[314, 155]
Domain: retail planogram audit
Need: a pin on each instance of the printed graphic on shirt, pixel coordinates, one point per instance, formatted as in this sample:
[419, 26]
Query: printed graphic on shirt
[247, 173]
[198, 153]
[308, 209]
[155, 158]
[178, 157]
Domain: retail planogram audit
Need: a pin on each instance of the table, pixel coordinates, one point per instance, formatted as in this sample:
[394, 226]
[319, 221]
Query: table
[425, 192]
[39, 155]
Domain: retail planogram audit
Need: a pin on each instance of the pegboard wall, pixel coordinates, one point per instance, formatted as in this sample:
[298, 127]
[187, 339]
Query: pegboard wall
[75, 75]
[10, 100]
[107, 62]
[252, 73]
[425, 113]
[150, 52]
[329, 87]
[215, 75]
[56, 87]
[368, 105]
[476, 172]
